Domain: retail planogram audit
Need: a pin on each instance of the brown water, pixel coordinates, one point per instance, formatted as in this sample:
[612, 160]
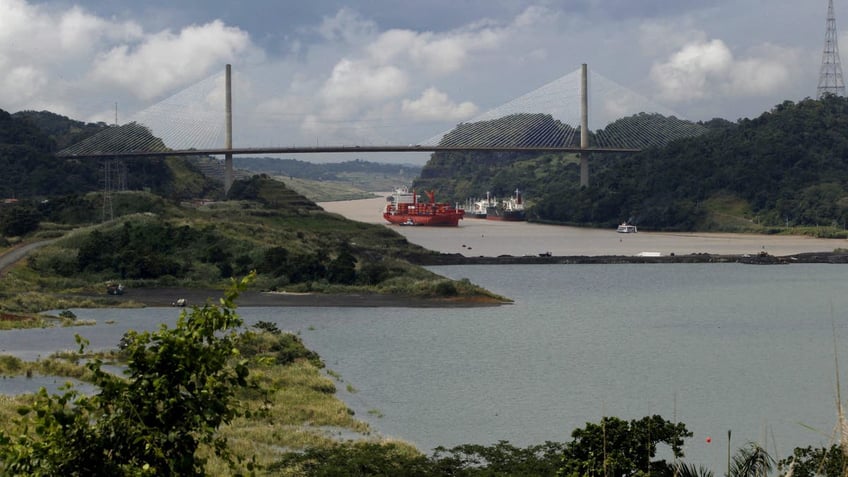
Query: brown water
[475, 237]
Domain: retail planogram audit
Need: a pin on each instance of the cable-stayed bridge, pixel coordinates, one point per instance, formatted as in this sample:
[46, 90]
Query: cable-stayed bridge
[552, 118]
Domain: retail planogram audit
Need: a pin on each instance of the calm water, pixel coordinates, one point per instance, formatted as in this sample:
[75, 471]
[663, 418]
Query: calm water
[719, 347]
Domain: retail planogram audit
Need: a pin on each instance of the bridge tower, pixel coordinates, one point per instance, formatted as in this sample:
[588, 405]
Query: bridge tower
[228, 139]
[830, 75]
[584, 126]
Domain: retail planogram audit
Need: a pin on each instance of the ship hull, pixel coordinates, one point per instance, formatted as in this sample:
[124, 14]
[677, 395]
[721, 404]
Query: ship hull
[507, 216]
[442, 220]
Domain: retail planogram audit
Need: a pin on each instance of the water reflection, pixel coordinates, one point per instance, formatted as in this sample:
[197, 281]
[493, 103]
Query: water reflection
[16, 385]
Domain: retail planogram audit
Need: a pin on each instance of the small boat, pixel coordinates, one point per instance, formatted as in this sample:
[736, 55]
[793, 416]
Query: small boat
[626, 228]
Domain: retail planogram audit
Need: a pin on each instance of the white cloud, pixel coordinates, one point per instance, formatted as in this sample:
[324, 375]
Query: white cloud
[80, 32]
[705, 69]
[435, 105]
[23, 82]
[346, 26]
[357, 82]
[166, 60]
[535, 15]
[80, 62]
[438, 54]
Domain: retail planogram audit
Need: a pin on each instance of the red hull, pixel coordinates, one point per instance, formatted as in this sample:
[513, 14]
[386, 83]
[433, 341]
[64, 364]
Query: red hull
[403, 208]
[445, 220]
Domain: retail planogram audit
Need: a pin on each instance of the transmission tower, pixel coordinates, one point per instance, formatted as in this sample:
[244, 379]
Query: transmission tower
[830, 76]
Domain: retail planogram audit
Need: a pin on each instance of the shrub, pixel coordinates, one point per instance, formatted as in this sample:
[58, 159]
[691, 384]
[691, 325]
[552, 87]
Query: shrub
[180, 387]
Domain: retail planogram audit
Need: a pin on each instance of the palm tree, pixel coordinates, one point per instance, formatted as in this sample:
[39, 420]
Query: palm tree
[682, 469]
[751, 461]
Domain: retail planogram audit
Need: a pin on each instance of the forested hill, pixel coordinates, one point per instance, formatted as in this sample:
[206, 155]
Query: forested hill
[787, 167]
[30, 139]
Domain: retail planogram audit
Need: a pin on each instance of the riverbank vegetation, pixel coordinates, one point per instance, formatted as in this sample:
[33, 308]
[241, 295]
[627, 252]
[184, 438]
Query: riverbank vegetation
[785, 171]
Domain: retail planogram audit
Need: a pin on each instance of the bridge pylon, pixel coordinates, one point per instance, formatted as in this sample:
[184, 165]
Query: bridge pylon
[584, 126]
[228, 140]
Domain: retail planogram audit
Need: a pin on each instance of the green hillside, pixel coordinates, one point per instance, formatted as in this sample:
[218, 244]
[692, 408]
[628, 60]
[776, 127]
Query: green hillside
[29, 141]
[786, 168]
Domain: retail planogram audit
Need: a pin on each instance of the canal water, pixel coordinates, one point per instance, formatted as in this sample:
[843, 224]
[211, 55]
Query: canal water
[717, 346]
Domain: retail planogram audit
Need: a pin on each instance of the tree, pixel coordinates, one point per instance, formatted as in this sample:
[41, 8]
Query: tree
[619, 448]
[18, 220]
[179, 389]
[751, 461]
[810, 462]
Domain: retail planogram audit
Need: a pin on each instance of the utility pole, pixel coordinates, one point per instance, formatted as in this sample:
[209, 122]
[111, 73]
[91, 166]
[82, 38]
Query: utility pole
[830, 75]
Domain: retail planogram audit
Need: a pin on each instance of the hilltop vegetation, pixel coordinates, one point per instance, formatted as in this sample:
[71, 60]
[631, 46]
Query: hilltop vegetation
[29, 141]
[786, 168]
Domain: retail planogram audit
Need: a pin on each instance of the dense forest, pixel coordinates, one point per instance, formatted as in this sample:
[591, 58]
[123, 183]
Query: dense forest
[29, 141]
[787, 167]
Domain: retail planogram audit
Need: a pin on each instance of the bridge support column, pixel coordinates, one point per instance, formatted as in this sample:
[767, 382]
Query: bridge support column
[228, 157]
[584, 169]
[584, 125]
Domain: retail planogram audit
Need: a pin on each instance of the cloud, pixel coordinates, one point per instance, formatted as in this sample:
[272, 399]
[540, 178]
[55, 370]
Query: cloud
[435, 105]
[80, 32]
[79, 64]
[705, 69]
[23, 82]
[166, 60]
[437, 54]
[354, 82]
[346, 26]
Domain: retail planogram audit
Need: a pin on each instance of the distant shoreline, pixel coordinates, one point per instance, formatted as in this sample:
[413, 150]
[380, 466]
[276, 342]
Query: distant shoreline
[757, 259]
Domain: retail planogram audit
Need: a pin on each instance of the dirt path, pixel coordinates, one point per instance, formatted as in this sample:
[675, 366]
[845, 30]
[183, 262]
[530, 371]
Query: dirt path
[12, 256]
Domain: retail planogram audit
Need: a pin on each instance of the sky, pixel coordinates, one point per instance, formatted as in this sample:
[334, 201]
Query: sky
[398, 71]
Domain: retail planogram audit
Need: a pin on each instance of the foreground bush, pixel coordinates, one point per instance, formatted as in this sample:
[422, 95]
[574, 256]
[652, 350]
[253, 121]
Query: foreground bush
[180, 388]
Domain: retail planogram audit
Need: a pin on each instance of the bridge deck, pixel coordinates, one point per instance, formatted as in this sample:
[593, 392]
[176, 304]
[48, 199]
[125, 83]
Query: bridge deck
[346, 149]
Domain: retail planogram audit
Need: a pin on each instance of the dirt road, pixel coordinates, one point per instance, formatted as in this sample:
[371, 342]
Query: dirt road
[12, 256]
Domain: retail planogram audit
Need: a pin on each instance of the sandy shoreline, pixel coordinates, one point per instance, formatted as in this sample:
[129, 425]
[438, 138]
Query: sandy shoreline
[476, 237]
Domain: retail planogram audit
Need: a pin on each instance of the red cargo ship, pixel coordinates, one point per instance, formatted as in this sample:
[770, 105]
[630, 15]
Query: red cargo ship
[403, 208]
